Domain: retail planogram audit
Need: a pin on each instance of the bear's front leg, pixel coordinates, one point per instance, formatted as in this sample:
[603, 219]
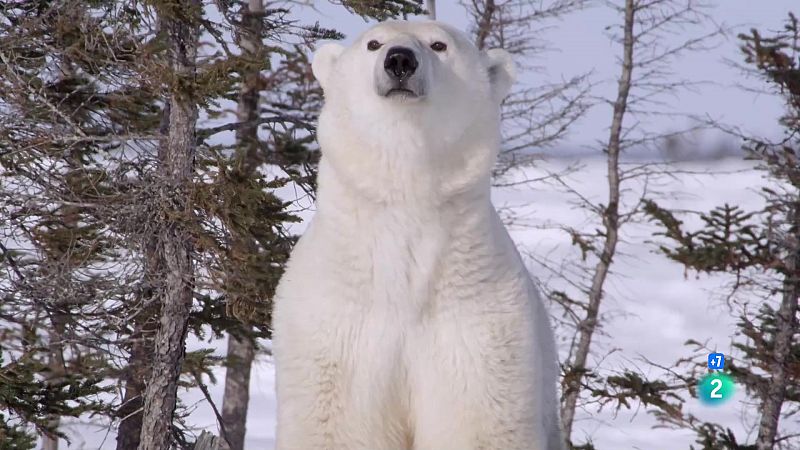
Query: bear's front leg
[335, 392]
[480, 385]
[310, 403]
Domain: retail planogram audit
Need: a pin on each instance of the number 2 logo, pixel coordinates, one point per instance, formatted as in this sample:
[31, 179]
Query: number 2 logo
[715, 388]
[717, 383]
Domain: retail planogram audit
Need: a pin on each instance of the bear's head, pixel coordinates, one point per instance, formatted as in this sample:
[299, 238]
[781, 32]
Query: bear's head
[410, 100]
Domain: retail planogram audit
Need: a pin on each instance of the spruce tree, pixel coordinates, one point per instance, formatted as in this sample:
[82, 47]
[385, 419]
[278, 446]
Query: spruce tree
[760, 250]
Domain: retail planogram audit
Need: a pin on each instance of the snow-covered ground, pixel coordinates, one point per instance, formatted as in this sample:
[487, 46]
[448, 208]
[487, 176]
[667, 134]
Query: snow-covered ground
[653, 305]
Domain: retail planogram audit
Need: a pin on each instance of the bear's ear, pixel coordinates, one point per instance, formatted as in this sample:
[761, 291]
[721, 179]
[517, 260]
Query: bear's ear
[324, 59]
[501, 72]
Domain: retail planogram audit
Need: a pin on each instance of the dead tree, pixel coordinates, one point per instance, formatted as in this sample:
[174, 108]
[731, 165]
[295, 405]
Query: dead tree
[533, 117]
[644, 78]
[610, 217]
[180, 22]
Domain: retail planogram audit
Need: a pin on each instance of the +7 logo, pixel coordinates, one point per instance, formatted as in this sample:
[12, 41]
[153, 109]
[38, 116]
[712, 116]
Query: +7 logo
[716, 361]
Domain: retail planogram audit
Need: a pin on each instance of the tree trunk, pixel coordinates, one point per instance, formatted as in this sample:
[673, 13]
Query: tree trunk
[207, 441]
[484, 24]
[430, 5]
[70, 218]
[577, 367]
[785, 328]
[137, 369]
[130, 411]
[241, 352]
[176, 167]
[57, 368]
[242, 349]
[250, 33]
[145, 324]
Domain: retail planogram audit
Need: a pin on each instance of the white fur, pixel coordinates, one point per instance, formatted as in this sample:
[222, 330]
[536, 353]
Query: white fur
[406, 318]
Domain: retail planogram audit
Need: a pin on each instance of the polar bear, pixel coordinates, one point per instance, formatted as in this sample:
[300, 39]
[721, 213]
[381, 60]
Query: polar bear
[406, 318]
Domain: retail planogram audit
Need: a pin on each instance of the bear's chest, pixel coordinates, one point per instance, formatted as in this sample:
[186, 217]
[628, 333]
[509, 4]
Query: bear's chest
[400, 269]
[402, 257]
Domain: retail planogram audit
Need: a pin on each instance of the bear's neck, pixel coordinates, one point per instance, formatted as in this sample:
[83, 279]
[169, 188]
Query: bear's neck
[405, 161]
[417, 193]
[393, 227]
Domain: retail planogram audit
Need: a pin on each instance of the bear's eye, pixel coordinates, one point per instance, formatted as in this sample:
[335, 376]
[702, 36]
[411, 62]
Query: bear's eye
[373, 45]
[438, 46]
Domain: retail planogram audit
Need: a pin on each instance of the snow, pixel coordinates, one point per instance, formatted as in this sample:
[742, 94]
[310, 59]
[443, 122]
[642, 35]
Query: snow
[652, 306]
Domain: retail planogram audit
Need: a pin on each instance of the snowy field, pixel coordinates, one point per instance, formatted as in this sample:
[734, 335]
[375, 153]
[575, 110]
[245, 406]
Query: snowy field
[653, 305]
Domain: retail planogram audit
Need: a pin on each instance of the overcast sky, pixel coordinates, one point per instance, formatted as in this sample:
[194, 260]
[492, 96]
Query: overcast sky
[580, 44]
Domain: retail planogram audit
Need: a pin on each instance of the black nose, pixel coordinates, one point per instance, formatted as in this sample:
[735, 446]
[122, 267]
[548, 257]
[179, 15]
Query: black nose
[400, 63]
